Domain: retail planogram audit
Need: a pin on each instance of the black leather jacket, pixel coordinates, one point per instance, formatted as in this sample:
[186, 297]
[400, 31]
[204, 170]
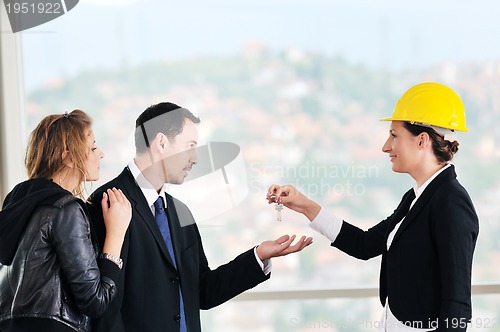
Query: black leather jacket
[54, 273]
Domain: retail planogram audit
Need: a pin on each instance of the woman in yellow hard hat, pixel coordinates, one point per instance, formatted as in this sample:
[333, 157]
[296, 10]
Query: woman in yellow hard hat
[427, 244]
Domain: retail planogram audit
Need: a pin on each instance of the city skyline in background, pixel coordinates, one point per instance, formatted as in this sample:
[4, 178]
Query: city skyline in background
[382, 35]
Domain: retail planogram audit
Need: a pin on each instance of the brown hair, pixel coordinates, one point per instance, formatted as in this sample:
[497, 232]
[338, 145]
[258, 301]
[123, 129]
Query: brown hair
[443, 150]
[54, 135]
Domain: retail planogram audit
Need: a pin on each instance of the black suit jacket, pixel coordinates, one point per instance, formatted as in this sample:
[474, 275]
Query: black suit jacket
[426, 274]
[148, 293]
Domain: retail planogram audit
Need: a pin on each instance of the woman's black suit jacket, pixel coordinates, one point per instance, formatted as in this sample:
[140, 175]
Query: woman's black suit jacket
[426, 273]
[148, 294]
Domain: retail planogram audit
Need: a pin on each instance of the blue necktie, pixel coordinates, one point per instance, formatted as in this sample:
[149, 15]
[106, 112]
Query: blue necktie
[162, 221]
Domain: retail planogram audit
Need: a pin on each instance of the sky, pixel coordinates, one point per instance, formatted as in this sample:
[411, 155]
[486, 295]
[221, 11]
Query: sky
[387, 34]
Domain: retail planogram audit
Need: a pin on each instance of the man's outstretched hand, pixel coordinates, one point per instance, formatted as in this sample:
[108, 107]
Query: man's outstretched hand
[282, 246]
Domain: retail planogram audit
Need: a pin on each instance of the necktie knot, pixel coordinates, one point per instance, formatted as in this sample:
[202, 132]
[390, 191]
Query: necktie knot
[159, 206]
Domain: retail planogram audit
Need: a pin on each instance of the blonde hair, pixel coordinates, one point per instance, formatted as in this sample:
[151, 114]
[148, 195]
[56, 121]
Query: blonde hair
[54, 135]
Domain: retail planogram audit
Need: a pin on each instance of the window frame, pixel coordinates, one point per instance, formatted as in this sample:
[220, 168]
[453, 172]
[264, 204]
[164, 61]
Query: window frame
[12, 141]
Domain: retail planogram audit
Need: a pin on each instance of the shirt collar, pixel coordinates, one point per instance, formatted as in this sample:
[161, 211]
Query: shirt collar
[146, 187]
[420, 190]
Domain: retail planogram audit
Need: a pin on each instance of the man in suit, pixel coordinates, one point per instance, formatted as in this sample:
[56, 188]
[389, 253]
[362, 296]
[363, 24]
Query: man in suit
[165, 283]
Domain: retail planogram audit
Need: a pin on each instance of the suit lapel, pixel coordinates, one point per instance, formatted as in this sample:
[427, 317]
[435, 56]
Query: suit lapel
[402, 209]
[445, 176]
[143, 210]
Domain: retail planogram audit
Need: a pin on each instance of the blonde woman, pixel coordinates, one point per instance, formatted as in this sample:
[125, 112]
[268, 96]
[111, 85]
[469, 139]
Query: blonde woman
[51, 278]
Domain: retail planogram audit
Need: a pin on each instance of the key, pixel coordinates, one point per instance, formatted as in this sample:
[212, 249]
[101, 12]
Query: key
[278, 208]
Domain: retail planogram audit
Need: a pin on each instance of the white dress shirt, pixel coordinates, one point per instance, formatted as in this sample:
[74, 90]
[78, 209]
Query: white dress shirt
[329, 226]
[151, 196]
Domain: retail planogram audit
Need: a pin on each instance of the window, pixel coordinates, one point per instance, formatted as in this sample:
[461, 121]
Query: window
[299, 86]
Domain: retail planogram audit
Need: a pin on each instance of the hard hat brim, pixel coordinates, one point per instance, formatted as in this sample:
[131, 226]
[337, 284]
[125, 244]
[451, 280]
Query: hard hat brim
[387, 119]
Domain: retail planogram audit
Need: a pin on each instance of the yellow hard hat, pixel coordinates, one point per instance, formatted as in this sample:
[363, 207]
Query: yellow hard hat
[431, 104]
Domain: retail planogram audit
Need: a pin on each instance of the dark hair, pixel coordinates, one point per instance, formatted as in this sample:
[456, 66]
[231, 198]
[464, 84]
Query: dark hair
[54, 135]
[149, 123]
[443, 150]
